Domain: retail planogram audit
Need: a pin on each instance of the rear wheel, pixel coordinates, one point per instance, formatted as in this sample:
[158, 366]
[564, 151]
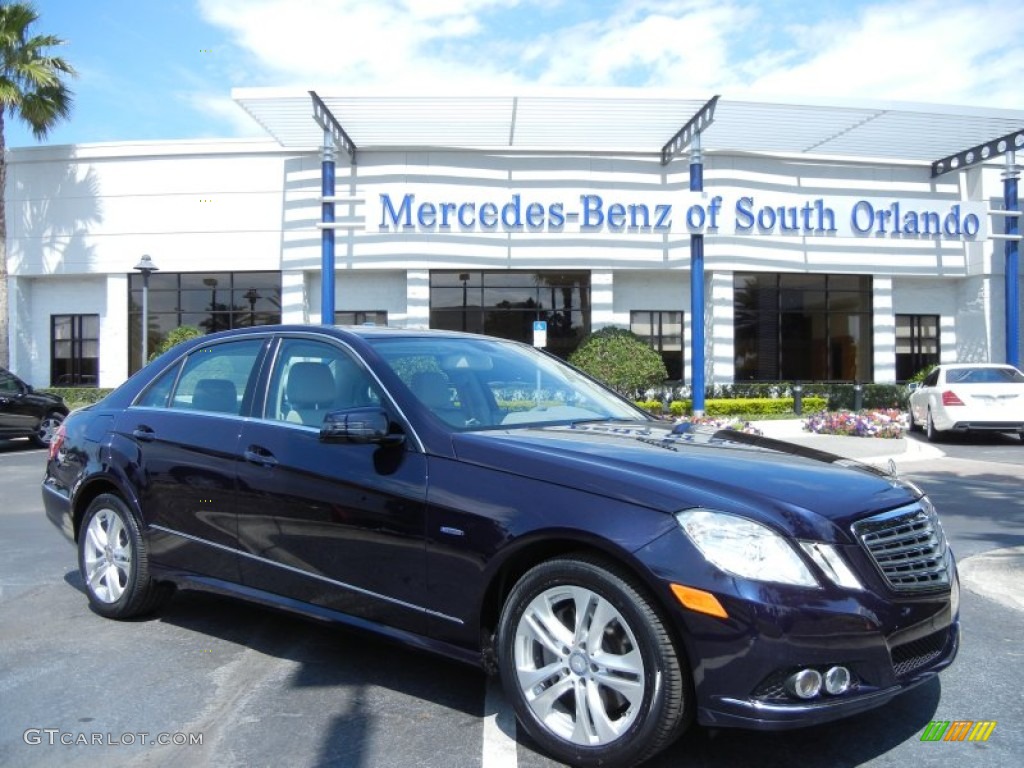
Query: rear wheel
[589, 665]
[114, 562]
[934, 435]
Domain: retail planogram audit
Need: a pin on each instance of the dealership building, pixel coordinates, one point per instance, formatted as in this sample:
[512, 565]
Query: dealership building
[747, 241]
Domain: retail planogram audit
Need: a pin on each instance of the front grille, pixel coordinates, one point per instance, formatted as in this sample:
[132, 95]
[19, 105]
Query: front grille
[908, 546]
[911, 656]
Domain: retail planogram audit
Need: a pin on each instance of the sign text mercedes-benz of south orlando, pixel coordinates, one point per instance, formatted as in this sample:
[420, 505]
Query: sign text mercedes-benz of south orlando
[744, 214]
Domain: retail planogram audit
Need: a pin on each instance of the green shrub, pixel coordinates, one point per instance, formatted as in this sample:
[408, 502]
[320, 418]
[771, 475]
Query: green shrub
[620, 359]
[748, 407]
[651, 406]
[175, 337]
[77, 397]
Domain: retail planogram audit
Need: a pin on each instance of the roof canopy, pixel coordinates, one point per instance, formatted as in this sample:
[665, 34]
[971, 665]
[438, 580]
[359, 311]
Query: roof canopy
[625, 121]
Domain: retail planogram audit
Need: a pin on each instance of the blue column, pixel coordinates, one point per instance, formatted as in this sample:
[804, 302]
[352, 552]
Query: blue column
[1012, 203]
[697, 287]
[327, 233]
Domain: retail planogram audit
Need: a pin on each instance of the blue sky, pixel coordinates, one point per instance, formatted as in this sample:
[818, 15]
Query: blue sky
[164, 69]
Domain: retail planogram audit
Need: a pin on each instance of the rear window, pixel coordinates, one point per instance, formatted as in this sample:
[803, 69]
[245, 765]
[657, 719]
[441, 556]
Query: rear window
[984, 376]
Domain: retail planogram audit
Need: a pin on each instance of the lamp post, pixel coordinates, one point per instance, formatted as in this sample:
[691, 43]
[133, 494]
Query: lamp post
[146, 267]
[252, 295]
[464, 277]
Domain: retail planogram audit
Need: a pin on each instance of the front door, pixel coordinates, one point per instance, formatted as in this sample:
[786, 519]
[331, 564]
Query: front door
[334, 524]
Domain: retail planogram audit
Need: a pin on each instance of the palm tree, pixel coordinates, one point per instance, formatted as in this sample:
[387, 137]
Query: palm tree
[33, 89]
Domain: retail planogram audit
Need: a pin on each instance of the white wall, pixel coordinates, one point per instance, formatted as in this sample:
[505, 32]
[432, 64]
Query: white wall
[98, 208]
[362, 291]
[93, 210]
[64, 295]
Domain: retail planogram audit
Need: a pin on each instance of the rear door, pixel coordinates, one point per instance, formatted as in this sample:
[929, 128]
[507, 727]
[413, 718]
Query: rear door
[180, 446]
[334, 524]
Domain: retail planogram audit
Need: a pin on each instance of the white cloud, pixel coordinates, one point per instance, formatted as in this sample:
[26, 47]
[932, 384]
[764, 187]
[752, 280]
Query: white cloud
[943, 52]
[946, 51]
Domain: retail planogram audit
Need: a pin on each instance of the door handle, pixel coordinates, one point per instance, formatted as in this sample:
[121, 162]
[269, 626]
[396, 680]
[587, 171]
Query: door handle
[261, 456]
[144, 433]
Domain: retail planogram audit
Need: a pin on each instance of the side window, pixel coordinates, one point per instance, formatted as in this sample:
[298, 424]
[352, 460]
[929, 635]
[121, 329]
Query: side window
[158, 392]
[8, 383]
[311, 378]
[214, 377]
[932, 378]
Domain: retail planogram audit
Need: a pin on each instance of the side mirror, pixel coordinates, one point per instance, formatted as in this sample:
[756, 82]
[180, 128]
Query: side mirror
[359, 425]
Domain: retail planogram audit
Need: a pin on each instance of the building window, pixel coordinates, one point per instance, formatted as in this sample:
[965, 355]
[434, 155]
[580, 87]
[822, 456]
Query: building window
[507, 303]
[373, 317]
[917, 344]
[211, 301]
[797, 327]
[663, 330]
[74, 350]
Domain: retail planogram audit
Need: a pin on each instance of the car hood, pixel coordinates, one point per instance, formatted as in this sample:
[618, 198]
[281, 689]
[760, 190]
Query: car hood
[798, 489]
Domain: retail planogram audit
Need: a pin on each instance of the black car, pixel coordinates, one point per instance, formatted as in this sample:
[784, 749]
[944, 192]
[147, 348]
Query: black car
[27, 413]
[481, 499]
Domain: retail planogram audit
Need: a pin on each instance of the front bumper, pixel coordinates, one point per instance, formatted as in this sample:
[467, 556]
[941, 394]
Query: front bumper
[768, 714]
[889, 641]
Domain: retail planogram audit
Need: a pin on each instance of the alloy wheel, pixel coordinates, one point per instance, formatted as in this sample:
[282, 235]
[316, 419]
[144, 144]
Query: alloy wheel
[107, 556]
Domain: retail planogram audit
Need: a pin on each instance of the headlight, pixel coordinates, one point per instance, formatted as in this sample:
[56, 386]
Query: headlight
[831, 563]
[744, 548]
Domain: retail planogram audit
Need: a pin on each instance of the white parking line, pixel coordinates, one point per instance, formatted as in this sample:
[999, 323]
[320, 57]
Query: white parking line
[499, 729]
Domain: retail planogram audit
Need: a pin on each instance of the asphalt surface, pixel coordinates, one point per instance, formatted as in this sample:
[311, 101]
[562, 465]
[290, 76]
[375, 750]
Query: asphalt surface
[267, 689]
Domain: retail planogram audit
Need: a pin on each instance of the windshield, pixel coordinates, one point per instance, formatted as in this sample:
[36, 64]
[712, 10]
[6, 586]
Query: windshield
[476, 383]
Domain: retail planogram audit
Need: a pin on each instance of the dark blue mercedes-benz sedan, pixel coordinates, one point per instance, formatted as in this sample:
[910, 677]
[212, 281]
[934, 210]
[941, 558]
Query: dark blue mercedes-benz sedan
[481, 499]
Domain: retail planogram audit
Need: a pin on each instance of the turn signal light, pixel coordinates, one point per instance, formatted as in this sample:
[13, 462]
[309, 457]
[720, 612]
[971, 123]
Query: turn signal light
[699, 600]
[949, 398]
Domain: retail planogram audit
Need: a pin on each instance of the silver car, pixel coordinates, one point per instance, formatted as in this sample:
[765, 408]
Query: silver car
[969, 397]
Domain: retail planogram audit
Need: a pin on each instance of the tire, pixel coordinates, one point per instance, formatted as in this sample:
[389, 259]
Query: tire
[547, 665]
[114, 562]
[934, 436]
[47, 429]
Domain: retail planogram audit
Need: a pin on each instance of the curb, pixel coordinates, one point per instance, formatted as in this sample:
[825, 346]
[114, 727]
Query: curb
[906, 448]
[995, 575]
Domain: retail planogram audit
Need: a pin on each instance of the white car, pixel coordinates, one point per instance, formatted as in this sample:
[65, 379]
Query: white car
[969, 397]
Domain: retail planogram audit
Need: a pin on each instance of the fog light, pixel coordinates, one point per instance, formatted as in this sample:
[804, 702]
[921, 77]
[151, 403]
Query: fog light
[837, 680]
[805, 684]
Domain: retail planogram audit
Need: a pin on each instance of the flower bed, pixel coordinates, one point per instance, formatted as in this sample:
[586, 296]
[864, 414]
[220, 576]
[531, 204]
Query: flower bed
[889, 423]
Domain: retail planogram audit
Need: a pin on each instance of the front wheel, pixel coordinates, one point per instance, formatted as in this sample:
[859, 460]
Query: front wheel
[589, 665]
[114, 562]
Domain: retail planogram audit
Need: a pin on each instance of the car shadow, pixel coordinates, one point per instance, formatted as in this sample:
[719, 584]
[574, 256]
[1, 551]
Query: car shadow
[359, 663]
[18, 445]
[968, 438]
[356, 663]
